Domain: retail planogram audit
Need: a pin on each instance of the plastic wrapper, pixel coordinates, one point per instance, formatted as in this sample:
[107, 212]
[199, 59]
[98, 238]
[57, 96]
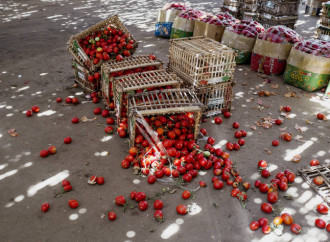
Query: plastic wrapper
[272, 49]
[165, 18]
[308, 65]
[241, 37]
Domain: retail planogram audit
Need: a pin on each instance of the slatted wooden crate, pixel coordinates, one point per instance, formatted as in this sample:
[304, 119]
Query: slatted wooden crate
[114, 68]
[268, 21]
[325, 20]
[81, 75]
[216, 98]
[79, 54]
[201, 61]
[323, 33]
[161, 102]
[279, 8]
[309, 173]
[140, 82]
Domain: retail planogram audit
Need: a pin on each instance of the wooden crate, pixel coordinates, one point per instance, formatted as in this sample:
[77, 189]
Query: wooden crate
[278, 8]
[114, 68]
[140, 82]
[325, 21]
[323, 32]
[79, 54]
[216, 98]
[309, 173]
[81, 75]
[201, 61]
[269, 21]
[162, 102]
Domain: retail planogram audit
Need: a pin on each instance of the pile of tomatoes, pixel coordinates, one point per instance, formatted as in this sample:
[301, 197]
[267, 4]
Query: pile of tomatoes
[122, 116]
[105, 42]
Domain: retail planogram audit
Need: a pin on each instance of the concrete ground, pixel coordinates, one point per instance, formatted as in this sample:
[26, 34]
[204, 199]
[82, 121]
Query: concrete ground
[36, 68]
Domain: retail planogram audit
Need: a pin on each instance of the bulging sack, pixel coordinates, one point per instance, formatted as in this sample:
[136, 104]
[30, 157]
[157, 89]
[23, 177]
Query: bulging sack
[308, 65]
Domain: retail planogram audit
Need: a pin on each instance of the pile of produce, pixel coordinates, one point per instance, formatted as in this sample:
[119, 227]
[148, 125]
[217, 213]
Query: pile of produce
[281, 35]
[191, 14]
[108, 41]
[314, 47]
[241, 36]
[272, 49]
[177, 6]
[309, 65]
[226, 18]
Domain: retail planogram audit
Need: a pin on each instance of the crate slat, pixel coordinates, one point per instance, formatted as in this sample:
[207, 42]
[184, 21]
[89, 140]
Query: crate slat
[309, 173]
[129, 84]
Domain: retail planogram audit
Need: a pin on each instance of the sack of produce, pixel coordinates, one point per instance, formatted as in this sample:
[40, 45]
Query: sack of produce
[183, 25]
[166, 17]
[241, 37]
[272, 49]
[308, 65]
[213, 26]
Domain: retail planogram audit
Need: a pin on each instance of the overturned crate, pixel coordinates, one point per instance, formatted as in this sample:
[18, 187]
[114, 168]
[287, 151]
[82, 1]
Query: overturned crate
[162, 102]
[130, 65]
[140, 82]
[201, 61]
[309, 173]
[216, 98]
[79, 53]
[88, 81]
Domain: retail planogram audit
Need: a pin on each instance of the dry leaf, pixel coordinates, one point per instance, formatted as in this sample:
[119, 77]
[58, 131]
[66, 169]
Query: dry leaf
[275, 86]
[249, 100]
[245, 74]
[260, 132]
[298, 128]
[102, 215]
[282, 129]
[268, 151]
[298, 137]
[296, 158]
[254, 127]
[308, 122]
[65, 104]
[244, 84]
[273, 93]
[13, 132]
[84, 119]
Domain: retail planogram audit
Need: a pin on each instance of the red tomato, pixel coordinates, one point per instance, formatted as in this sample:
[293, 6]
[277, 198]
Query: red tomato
[73, 203]
[132, 195]
[65, 182]
[290, 176]
[143, 205]
[257, 183]
[263, 222]
[264, 188]
[254, 225]
[181, 209]
[266, 229]
[112, 216]
[314, 162]
[265, 173]
[234, 192]
[202, 184]
[140, 196]
[187, 177]
[267, 207]
[262, 164]
[318, 180]
[158, 214]
[120, 200]
[218, 184]
[295, 228]
[151, 179]
[158, 204]
[44, 207]
[322, 209]
[287, 218]
[186, 194]
[320, 223]
[272, 197]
